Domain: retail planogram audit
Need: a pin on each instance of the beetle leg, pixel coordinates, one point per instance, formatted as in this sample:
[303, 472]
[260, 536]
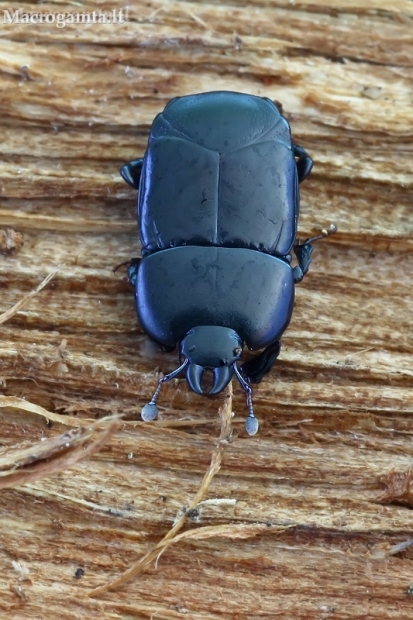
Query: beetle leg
[125, 262]
[133, 267]
[131, 172]
[304, 250]
[258, 366]
[303, 253]
[304, 162]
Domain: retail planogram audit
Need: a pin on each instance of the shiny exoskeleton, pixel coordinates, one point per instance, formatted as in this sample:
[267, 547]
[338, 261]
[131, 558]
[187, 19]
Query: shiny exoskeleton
[218, 203]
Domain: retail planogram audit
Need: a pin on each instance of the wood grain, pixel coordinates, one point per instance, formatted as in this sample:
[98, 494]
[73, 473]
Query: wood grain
[310, 519]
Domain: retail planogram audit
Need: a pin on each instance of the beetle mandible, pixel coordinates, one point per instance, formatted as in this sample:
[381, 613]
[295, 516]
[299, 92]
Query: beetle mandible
[218, 203]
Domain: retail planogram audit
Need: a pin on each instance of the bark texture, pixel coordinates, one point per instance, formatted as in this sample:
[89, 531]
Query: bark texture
[311, 518]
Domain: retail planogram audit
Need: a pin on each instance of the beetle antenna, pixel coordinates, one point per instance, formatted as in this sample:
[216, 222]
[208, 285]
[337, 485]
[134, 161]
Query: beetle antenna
[251, 423]
[150, 410]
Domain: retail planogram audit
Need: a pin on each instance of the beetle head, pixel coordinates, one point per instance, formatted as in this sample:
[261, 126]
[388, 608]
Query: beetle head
[211, 347]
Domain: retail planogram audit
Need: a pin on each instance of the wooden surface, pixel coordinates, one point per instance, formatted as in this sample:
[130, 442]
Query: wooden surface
[310, 519]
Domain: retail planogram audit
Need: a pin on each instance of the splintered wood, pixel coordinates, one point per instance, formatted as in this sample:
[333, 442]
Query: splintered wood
[104, 516]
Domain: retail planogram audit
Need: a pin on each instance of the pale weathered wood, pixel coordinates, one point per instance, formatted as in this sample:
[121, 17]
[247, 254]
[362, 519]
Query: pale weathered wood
[312, 516]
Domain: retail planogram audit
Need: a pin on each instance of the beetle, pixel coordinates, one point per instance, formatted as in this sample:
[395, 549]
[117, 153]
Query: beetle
[218, 204]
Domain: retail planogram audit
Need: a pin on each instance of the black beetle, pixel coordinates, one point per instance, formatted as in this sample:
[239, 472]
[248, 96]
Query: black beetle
[218, 206]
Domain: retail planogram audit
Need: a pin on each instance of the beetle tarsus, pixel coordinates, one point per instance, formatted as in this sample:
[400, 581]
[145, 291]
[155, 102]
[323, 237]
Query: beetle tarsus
[324, 233]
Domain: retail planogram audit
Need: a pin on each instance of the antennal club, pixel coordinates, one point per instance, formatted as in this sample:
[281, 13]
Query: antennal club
[251, 423]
